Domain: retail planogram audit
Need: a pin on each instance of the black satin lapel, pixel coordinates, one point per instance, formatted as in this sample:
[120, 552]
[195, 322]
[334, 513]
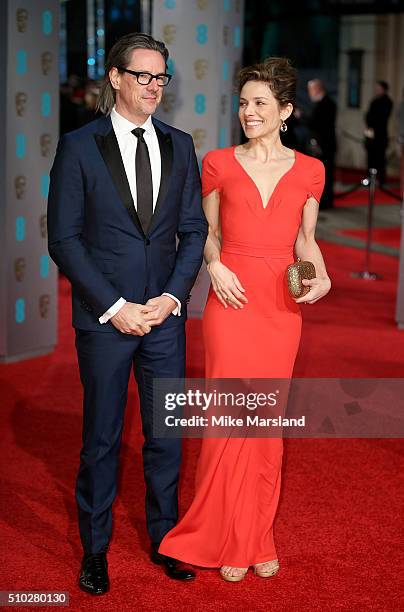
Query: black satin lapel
[109, 149]
[166, 154]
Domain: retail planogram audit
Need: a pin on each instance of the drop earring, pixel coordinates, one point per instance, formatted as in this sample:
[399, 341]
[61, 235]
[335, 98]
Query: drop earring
[284, 127]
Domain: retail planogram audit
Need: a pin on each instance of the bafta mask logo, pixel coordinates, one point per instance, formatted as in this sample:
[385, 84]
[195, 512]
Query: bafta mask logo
[21, 103]
[22, 20]
[20, 186]
[223, 104]
[46, 62]
[226, 35]
[199, 137]
[43, 226]
[169, 33]
[45, 143]
[201, 68]
[168, 102]
[19, 269]
[44, 302]
[202, 4]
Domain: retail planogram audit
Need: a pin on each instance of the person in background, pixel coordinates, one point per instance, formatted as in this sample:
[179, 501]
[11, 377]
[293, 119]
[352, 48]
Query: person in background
[400, 140]
[376, 119]
[323, 142]
[87, 111]
[67, 109]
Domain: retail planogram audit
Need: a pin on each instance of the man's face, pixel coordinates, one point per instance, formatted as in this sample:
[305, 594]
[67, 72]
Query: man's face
[135, 100]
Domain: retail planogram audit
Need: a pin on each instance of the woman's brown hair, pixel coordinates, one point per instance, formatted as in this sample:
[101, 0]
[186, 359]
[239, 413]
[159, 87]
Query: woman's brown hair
[279, 75]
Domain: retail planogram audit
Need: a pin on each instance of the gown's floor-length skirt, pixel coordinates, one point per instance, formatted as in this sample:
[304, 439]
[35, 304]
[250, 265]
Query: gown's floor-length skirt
[230, 521]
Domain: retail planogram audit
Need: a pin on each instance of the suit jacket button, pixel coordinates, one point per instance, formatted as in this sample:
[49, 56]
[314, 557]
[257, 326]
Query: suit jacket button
[147, 241]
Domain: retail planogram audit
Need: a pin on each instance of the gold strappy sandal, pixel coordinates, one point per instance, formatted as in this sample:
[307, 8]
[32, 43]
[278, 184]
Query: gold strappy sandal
[230, 578]
[272, 568]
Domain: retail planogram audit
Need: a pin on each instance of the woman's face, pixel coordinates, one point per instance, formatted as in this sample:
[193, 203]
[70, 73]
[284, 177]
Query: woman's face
[259, 111]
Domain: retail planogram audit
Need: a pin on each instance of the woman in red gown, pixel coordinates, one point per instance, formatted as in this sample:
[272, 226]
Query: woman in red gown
[261, 202]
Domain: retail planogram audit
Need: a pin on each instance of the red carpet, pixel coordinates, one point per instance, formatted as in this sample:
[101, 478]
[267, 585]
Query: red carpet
[340, 515]
[386, 236]
[361, 197]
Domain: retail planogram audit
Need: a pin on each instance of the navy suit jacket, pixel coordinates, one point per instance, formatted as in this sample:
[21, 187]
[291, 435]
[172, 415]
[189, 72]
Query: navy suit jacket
[94, 234]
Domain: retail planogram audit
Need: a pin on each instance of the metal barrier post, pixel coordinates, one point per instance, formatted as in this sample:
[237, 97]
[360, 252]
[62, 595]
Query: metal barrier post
[369, 182]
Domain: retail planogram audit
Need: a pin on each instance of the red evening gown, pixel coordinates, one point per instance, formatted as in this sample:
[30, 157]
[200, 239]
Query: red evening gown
[230, 521]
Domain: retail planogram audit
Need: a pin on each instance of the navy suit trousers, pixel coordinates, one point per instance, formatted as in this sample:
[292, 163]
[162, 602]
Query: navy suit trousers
[105, 362]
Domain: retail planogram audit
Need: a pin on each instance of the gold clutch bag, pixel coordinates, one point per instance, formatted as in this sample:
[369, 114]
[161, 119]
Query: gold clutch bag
[295, 273]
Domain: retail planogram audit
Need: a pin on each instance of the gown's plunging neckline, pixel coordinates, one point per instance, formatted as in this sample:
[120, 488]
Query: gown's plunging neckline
[255, 184]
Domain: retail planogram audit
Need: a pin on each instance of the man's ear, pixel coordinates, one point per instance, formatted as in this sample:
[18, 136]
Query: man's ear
[115, 77]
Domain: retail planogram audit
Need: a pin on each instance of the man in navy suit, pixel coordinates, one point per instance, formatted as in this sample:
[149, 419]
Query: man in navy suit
[123, 189]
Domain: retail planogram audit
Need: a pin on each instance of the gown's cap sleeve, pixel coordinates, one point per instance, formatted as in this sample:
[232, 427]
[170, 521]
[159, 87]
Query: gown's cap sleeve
[210, 174]
[317, 175]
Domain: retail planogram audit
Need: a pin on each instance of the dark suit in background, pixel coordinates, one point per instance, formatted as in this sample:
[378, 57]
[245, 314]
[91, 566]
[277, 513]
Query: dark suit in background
[321, 124]
[377, 118]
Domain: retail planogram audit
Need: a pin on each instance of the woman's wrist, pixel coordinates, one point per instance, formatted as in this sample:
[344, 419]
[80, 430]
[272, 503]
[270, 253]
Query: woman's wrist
[211, 263]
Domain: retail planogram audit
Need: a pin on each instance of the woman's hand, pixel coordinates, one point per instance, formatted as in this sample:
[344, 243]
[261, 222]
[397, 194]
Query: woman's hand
[226, 285]
[319, 287]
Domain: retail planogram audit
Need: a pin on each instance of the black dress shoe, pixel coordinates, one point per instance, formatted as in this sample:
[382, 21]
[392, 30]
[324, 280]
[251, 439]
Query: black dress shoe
[172, 567]
[93, 577]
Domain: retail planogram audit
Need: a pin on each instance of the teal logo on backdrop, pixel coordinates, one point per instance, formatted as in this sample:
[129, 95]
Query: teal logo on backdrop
[20, 310]
[225, 70]
[44, 266]
[47, 22]
[202, 33]
[200, 104]
[46, 104]
[20, 229]
[222, 138]
[44, 185]
[234, 101]
[21, 62]
[169, 4]
[20, 145]
[226, 5]
[170, 66]
[237, 36]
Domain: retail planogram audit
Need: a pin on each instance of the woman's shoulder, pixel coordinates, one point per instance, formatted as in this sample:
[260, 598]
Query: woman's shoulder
[309, 162]
[218, 156]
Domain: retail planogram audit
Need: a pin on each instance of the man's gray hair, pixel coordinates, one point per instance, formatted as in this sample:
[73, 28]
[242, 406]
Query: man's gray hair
[120, 56]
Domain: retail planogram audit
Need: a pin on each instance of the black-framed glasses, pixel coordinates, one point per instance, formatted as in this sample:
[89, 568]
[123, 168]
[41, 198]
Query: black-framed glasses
[145, 78]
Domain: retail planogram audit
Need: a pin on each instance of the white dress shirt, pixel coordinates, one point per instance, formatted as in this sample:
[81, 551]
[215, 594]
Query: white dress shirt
[127, 145]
